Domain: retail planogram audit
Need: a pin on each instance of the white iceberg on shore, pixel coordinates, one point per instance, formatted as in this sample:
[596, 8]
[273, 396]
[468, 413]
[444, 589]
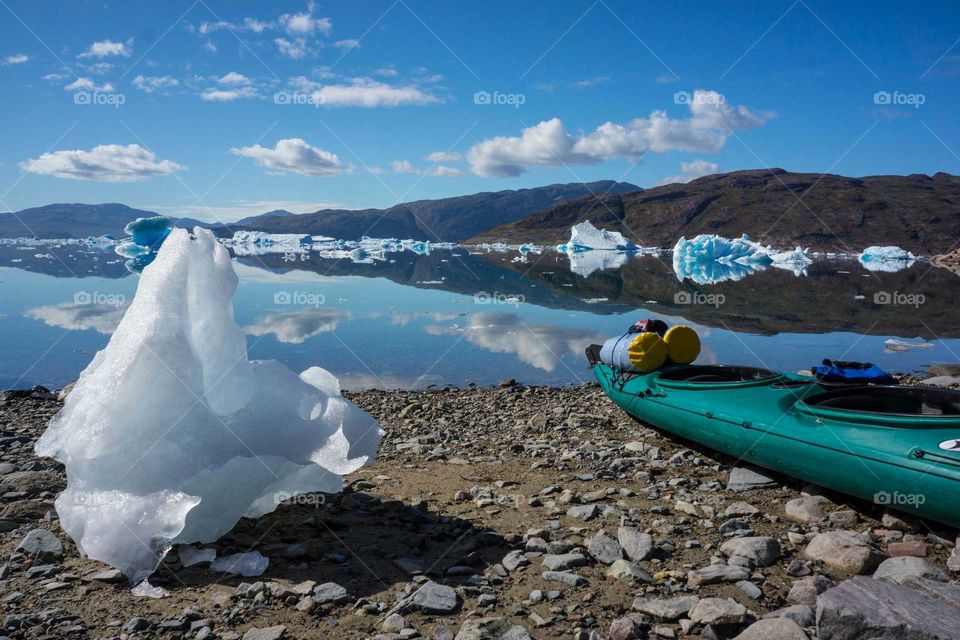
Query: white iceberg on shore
[888, 258]
[586, 237]
[171, 435]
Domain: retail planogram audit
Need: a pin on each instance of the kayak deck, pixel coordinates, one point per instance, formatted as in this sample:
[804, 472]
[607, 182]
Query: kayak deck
[796, 426]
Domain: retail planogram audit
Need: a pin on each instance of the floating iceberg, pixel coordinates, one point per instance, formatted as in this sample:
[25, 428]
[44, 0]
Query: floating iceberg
[796, 261]
[886, 259]
[709, 258]
[901, 346]
[585, 236]
[171, 435]
[149, 232]
[146, 237]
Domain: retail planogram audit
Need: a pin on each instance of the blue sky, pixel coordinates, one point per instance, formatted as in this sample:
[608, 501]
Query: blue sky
[224, 109]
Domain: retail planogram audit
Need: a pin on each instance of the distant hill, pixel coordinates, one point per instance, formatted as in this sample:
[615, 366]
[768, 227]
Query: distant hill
[75, 220]
[917, 212]
[447, 219]
[276, 213]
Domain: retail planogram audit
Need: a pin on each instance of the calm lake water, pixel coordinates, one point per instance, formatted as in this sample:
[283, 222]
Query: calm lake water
[457, 316]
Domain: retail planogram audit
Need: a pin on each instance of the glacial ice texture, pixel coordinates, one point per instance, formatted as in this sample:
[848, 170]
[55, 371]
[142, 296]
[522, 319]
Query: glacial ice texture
[585, 236]
[886, 259]
[171, 435]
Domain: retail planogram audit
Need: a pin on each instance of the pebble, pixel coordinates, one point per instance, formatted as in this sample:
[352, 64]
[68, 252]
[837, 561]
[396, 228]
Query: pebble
[665, 610]
[637, 545]
[773, 629]
[718, 611]
[435, 598]
[715, 573]
[584, 512]
[266, 633]
[491, 629]
[604, 548]
[330, 592]
[625, 570]
[762, 550]
[748, 479]
[563, 561]
[566, 577]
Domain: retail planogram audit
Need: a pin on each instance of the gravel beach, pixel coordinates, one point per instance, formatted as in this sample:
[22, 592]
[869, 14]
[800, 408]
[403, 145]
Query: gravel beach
[509, 512]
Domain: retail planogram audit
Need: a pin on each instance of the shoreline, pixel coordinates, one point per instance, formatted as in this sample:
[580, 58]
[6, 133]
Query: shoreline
[499, 493]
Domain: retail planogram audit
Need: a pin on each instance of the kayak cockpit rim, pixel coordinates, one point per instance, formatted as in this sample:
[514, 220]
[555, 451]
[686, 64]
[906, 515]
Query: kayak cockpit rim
[713, 376]
[898, 405]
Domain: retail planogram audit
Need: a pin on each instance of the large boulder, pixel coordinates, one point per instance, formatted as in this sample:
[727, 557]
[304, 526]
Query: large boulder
[845, 551]
[862, 608]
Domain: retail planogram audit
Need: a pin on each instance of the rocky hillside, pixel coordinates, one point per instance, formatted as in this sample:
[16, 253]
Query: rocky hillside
[918, 212]
[447, 219]
[75, 220]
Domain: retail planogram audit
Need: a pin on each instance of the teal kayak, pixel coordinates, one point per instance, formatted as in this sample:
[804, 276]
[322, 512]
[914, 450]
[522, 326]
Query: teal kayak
[896, 446]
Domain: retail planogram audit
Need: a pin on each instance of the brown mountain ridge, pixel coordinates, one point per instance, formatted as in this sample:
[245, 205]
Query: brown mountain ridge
[824, 212]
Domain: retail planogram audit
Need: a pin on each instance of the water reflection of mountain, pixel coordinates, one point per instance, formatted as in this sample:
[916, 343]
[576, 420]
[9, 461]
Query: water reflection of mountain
[833, 296]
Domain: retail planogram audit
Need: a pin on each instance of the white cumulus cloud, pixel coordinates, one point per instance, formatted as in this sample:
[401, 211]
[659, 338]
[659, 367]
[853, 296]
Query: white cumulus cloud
[363, 92]
[155, 84]
[294, 155]
[106, 48]
[17, 58]
[444, 156]
[228, 95]
[691, 171]
[233, 79]
[103, 163]
[294, 49]
[548, 143]
[86, 84]
[305, 24]
[440, 171]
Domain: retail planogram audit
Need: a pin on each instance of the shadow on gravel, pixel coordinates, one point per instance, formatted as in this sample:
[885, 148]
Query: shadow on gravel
[358, 540]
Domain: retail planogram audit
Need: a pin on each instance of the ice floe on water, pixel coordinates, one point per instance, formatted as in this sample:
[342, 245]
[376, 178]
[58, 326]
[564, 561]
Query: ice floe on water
[585, 237]
[893, 345]
[146, 235]
[171, 434]
[889, 259]
[709, 258]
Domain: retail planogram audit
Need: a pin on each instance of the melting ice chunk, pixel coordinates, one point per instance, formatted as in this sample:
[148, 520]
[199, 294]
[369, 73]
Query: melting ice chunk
[585, 236]
[886, 259]
[246, 564]
[171, 435]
